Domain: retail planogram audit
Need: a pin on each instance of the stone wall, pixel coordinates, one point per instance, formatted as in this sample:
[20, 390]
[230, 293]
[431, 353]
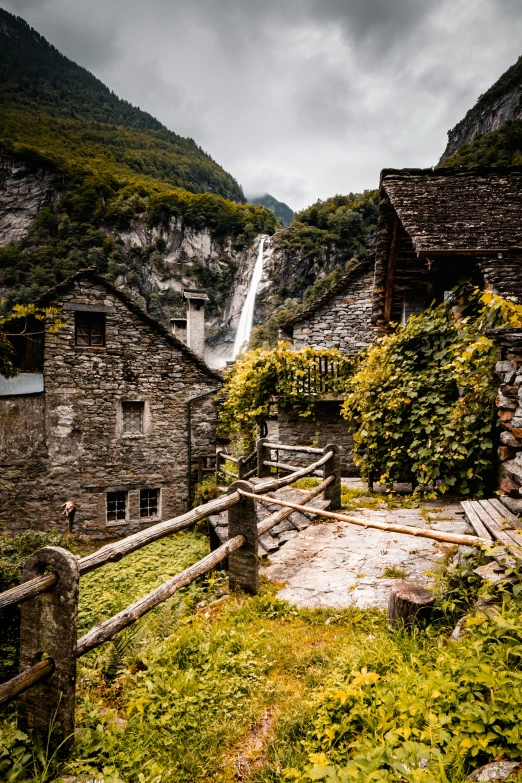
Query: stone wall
[341, 321]
[509, 403]
[324, 427]
[70, 442]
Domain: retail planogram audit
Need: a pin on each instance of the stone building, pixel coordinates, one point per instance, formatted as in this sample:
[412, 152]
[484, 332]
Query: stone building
[100, 416]
[341, 317]
[436, 229]
[440, 227]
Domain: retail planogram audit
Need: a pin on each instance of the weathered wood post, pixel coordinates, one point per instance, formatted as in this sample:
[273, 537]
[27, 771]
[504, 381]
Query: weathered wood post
[263, 455]
[48, 627]
[333, 468]
[218, 458]
[241, 468]
[243, 565]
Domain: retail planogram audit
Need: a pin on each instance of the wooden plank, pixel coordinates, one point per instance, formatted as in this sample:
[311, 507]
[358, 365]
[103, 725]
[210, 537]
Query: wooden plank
[273, 484]
[390, 271]
[291, 468]
[409, 530]
[475, 521]
[491, 524]
[512, 519]
[502, 521]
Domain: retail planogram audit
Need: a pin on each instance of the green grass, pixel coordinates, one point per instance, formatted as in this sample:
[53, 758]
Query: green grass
[391, 572]
[218, 687]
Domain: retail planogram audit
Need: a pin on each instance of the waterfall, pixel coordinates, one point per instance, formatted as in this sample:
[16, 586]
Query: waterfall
[247, 313]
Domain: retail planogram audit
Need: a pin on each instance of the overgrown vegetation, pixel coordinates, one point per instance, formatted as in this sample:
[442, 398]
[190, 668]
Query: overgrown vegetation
[422, 400]
[349, 222]
[211, 687]
[260, 375]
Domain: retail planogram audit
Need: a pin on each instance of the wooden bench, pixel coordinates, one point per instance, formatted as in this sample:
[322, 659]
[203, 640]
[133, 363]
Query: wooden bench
[490, 519]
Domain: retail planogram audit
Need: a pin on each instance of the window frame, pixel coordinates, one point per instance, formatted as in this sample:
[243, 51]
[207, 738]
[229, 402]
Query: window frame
[119, 520]
[88, 319]
[157, 515]
[142, 404]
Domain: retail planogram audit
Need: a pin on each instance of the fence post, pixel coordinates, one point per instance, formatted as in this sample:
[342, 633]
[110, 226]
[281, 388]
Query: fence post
[218, 457]
[243, 565]
[263, 454]
[241, 468]
[48, 626]
[333, 467]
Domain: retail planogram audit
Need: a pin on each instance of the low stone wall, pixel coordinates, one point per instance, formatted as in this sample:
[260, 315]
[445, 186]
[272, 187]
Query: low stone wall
[325, 426]
[509, 403]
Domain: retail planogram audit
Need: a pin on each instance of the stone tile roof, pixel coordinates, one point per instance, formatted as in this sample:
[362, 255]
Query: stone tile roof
[93, 277]
[338, 288]
[457, 209]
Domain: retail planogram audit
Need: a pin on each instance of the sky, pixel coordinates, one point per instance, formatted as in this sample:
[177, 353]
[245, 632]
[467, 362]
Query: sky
[303, 99]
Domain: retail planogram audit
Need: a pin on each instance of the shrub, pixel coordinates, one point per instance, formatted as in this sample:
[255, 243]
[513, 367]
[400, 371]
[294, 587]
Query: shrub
[422, 400]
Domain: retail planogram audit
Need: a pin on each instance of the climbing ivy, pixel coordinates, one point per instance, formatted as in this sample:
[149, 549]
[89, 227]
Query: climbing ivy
[422, 400]
[259, 376]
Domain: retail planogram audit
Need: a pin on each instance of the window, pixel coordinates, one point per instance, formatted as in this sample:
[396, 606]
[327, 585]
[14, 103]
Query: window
[90, 329]
[149, 503]
[116, 507]
[132, 417]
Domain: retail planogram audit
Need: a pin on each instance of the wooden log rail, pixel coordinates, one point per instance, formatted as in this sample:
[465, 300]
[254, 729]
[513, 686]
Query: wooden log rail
[112, 553]
[60, 588]
[286, 466]
[409, 530]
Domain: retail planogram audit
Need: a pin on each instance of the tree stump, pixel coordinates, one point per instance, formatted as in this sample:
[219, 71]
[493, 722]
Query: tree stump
[409, 603]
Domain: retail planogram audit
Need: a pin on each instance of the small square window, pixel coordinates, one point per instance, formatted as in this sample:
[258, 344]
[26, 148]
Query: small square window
[90, 329]
[133, 414]
[149, 503]
[116, 507]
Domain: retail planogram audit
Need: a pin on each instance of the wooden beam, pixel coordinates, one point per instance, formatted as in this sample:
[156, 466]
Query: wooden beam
[390, 270]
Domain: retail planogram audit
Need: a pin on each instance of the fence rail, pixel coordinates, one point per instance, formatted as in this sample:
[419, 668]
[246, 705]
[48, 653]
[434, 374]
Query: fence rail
[45, 688]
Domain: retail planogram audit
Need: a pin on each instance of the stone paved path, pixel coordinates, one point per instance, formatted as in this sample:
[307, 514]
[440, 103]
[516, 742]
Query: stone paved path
[334, 564]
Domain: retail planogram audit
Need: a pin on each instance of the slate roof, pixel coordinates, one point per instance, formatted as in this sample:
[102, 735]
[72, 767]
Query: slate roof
[457, 209]
[338, 288]
[93, 277]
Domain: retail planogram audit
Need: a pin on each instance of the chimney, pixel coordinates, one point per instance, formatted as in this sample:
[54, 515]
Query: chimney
[179, 328]
[196, 320]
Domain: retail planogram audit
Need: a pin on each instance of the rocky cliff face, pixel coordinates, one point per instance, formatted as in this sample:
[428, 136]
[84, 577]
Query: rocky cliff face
[500, 104]
[23, 193]
[156, 263]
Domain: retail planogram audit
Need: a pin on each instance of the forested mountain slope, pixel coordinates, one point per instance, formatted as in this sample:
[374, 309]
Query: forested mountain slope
[57, 107]
[499, 105]
[86, 179]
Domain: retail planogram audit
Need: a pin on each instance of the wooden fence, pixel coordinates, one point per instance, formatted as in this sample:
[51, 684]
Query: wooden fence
[49, 647]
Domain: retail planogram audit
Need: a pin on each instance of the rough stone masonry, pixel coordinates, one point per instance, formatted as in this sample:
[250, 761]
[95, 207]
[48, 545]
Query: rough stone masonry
[109, 432]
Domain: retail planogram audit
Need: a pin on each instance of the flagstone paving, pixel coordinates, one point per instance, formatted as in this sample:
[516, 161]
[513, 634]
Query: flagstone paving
[337, 565]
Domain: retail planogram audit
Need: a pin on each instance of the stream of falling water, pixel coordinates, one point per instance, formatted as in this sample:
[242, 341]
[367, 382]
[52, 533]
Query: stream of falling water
[247, 313]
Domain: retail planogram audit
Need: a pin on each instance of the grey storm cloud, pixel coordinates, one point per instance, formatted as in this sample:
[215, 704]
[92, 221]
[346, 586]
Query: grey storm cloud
[301, 98]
